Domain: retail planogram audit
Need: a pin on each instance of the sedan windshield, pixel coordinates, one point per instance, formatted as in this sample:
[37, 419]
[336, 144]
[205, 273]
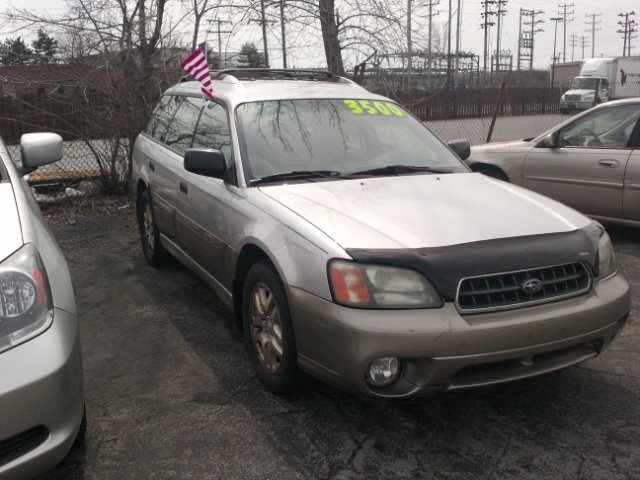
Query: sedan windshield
[359, 137]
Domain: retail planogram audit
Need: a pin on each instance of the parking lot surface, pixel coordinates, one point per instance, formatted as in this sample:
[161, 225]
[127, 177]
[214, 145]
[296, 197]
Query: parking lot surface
[170, 393]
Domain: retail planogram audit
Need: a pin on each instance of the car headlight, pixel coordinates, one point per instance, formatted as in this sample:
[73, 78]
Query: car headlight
[606, 260]
[380, 287]
[25, 298]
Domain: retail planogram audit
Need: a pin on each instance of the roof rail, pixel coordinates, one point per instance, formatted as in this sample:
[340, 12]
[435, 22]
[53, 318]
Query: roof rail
[279, 73]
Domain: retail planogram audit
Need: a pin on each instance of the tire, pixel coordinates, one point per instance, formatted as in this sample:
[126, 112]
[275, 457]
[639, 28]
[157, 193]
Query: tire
[154, 253]
[268, 332]
[491, 171]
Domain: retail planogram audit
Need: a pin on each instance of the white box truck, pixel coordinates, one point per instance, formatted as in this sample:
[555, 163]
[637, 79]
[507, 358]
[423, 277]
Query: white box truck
[618, 78]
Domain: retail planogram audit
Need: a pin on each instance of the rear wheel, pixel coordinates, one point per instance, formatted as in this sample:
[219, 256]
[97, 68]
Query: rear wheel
[154, 253]
[268, 331]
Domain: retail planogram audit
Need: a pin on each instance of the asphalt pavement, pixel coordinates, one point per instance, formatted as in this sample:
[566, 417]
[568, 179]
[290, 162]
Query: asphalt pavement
[170, 394]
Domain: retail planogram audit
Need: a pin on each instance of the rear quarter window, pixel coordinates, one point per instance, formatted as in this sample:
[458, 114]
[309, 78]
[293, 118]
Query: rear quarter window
[162, 116]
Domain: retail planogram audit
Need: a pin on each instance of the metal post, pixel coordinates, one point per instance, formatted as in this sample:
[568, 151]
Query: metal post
[284, 37]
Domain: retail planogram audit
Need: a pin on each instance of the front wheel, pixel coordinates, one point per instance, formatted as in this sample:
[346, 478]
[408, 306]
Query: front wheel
[268, 331]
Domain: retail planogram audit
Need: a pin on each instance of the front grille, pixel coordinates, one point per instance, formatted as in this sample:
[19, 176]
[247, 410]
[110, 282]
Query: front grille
[24, 442]
[573, 98]
[514, 289]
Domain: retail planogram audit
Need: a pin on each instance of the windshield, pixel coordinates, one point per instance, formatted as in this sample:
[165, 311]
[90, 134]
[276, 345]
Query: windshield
[343, 136]
[579, 83]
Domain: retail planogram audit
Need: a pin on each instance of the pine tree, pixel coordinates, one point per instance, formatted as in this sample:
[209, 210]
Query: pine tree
[15, 52]
[44, 47]
[250, 57]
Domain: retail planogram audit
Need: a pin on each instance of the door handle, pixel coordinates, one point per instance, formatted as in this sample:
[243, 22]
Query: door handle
[183, 188]
[609, 163]
[152, 166]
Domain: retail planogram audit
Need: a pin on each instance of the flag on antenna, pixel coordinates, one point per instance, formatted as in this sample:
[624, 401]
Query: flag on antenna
[196, 65]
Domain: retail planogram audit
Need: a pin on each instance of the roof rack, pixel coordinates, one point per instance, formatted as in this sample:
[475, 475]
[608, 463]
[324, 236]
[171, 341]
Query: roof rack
[278, 74]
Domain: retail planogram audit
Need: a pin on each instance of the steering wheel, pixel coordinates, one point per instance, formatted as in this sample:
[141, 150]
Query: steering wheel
[595, 142]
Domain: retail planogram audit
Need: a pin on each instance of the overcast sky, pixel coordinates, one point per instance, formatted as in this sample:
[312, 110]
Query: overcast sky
[302, 54]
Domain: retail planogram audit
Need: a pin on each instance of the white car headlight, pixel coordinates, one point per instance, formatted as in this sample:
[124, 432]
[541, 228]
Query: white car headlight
[606, 260]
[25, 298]
[380, 287]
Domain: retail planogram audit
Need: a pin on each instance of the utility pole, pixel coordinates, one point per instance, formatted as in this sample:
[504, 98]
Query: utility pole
[219, 31]
[583, 43]
[458, 34]
[486, 15]
[527, 39]
[283, 35]
[573, 41]
[263, 21]
[449, 43]
[432, 3]
[555, 38]
[500, 13]
[628, 30]
[593, 24]
[564, 14]
[409, 44]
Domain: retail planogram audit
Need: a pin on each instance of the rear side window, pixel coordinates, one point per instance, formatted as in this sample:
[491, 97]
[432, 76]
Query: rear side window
[213, 131]
[162, 115]
[180, 133]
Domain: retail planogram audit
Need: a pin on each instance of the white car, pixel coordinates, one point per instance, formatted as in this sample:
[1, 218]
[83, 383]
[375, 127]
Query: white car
[41, 382]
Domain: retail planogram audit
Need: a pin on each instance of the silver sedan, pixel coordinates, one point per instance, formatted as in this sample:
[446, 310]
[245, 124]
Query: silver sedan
[590, 162]
[41, 389]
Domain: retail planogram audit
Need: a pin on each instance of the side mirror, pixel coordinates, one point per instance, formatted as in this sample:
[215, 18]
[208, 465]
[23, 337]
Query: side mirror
[548, 141]
[206, 162]
[38, 149]
[461, 147]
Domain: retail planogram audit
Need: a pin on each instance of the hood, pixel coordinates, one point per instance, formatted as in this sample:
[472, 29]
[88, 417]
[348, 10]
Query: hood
[11, 238]
[422, 211]
[500, 146]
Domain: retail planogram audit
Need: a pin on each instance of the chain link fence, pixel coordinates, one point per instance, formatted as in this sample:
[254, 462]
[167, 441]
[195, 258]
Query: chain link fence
[520, 112]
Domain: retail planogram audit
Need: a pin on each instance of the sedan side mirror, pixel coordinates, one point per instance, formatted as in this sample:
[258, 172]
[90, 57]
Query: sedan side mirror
[206, 162]
[462, 148]
[548, 141]
[38, 149]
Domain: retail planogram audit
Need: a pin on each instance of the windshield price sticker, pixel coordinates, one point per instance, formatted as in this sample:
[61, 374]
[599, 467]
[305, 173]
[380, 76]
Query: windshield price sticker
[366, 107]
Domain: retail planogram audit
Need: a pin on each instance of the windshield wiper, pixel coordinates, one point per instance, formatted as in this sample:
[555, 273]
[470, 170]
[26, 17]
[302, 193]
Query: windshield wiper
[298, 175]
[398, 170]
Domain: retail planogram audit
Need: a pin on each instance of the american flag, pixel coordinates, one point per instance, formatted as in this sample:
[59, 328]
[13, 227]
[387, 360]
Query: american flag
[196, 65]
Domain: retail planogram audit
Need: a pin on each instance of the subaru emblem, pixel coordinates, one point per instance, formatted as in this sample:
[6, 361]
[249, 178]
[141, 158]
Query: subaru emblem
[533, 285]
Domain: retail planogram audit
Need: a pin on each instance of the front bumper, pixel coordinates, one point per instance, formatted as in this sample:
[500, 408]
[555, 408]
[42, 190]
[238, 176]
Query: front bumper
[581, 105]
[444, 350]
[41, 399]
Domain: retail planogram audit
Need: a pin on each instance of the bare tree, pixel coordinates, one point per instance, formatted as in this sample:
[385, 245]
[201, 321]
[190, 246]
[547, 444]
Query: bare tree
[118, 40]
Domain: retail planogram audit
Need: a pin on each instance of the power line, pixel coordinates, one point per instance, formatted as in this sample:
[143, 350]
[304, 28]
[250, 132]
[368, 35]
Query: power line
[526, 41]
[565, 20]
[486, 15]
[593, 24]
[573, 41]
[628, 30]
[583, 43]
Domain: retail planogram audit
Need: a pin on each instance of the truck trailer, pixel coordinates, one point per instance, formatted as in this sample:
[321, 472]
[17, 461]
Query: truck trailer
[617, 78]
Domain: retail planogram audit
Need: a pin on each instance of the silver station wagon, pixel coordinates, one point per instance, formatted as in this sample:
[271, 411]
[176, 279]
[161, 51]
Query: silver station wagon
[352, 244]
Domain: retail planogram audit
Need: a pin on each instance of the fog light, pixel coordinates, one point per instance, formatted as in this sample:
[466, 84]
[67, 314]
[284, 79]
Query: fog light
[383, 371]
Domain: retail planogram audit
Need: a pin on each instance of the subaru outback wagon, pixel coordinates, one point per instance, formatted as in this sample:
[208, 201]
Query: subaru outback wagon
[353, 245]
